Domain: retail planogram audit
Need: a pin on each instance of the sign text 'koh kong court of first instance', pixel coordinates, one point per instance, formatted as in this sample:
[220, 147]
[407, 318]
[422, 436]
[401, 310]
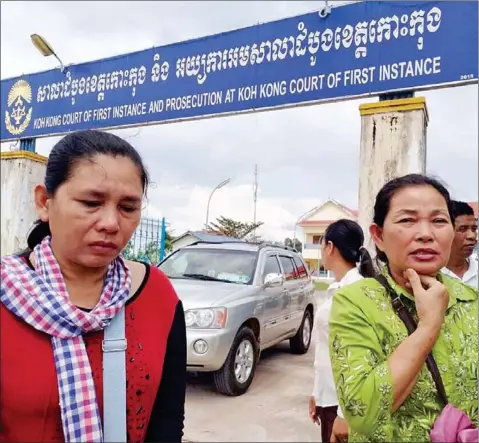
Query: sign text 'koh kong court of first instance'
[360, 49]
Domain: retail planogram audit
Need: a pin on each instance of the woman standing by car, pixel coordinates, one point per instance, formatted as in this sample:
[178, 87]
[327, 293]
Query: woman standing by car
[384, 330]
[341, 249]
[59, 299]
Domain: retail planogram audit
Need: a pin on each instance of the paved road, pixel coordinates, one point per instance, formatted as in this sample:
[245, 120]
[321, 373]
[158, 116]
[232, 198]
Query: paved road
[274, 409]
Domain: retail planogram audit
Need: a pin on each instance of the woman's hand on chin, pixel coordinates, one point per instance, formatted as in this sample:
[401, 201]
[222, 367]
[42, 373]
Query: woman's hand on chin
[431, 299]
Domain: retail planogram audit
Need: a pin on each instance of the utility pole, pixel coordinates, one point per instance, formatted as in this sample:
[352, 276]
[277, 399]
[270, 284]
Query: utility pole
[255, 197]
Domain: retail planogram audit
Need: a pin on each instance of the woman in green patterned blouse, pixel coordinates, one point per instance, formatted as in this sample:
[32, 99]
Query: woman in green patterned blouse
[384, 387]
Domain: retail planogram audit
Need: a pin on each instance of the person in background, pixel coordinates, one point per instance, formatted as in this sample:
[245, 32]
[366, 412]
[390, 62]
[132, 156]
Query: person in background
[384, 387]
[59, 296]
[462, 264]
[341, 249]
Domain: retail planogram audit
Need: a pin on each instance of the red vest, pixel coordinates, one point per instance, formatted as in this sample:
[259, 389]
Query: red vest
[29, 400]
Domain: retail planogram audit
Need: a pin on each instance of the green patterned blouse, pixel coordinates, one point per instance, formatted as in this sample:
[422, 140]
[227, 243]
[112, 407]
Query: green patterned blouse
[365, 330]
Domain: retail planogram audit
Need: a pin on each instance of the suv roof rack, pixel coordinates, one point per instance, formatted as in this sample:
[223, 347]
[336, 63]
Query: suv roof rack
[273, 245]
[198, 242]
[261, 245]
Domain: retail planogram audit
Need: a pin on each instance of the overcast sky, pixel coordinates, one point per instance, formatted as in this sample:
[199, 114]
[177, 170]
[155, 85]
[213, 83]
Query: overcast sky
[304, 155]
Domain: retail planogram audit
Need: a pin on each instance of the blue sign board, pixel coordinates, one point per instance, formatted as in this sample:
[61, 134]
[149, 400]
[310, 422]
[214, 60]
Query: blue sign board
[360, 49]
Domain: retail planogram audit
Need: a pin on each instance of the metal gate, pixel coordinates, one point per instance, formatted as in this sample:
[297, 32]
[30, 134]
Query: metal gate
[148, 242]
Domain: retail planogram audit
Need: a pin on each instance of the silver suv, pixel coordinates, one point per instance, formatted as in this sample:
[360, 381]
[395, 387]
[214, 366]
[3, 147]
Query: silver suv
[239, 299]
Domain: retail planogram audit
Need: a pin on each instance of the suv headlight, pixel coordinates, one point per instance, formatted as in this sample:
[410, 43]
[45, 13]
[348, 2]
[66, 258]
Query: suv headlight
[207, 318]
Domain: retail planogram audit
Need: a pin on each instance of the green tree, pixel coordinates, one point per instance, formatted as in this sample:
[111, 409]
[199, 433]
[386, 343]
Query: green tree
[296, 244]
[128, 252]
[233, 228]
[150, 254]
[169, 241]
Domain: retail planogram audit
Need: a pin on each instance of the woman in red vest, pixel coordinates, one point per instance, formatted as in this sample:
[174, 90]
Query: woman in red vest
[58, 298]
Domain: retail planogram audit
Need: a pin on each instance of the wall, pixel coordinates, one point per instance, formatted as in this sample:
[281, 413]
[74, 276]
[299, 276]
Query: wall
[317, 223]
[317, 231]
[312, 254]
[393, 143]
[309, 231]
[21, 171]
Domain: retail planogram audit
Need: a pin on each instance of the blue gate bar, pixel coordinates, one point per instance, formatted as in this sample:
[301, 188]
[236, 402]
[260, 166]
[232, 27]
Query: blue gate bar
[27, 144]
[163, 238]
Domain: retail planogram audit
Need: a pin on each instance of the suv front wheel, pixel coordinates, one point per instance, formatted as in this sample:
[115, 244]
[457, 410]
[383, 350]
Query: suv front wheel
[236, 375]
[300, 342]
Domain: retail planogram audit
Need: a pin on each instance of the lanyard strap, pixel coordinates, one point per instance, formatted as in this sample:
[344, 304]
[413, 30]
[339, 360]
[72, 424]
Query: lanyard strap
[411, 326]
[114, 380]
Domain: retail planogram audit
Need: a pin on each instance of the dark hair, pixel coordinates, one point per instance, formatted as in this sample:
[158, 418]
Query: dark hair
[71, 149]
[348, 237]
[387, 192]
[461, 208]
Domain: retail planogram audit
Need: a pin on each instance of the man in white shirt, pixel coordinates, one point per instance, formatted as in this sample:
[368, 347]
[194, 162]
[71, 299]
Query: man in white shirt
[462, 262]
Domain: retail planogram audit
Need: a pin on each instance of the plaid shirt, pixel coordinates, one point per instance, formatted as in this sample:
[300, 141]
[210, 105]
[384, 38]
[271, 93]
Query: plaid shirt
[40, 298]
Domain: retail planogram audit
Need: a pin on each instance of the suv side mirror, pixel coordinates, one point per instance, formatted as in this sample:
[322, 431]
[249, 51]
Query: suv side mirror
[273, 280]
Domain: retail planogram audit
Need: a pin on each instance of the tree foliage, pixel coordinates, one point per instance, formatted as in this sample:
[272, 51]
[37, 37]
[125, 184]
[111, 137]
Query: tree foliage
[150, 253]
[233, 228]
[296, 244]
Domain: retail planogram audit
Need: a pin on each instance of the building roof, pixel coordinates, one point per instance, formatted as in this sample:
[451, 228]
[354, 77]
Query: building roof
[207, 237]
[344, 207]
[306, 222]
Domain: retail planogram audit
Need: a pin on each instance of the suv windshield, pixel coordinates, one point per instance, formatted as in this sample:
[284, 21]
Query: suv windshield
[211, 264]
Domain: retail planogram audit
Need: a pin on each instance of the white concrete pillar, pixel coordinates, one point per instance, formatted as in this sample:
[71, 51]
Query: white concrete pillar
[21, 171]
[393, 143]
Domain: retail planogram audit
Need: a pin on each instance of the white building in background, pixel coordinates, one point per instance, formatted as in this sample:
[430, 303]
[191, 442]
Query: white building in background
[313, 227]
